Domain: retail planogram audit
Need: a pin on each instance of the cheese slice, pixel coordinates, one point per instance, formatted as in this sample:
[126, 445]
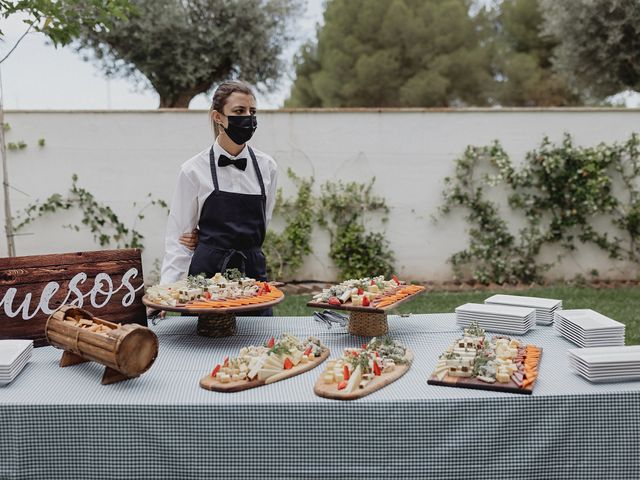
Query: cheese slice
[274, 361]
[354, 380]
[255, 367]
[266, 373]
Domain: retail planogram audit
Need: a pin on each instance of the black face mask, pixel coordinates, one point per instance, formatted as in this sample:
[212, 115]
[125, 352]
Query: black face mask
[241, 128]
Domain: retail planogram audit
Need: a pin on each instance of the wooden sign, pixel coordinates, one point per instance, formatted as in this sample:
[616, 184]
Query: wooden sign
[108, 283]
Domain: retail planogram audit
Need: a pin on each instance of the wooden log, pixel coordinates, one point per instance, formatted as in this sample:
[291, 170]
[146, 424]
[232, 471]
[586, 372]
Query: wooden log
[128, 349]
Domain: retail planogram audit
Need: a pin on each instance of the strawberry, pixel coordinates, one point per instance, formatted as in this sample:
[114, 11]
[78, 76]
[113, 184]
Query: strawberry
[366, 302]
[288, 364]
[215, 370]
[271, 342]
[342, 385]
[334, 301]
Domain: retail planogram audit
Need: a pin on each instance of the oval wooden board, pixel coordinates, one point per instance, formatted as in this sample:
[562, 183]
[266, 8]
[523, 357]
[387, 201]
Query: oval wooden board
[214, 310]
[331, 390]
[209, 383]
[352, 308]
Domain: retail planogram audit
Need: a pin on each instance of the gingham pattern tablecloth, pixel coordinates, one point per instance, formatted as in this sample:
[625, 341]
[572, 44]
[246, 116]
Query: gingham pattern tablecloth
[62, 423]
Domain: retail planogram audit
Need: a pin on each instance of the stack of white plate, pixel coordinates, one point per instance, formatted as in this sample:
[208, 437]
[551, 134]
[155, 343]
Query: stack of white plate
[497, 318]
[545, 307]
[588, 328]
[14, 355]
[606, 364]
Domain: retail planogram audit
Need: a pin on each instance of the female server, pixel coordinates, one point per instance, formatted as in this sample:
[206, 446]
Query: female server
[227, 192]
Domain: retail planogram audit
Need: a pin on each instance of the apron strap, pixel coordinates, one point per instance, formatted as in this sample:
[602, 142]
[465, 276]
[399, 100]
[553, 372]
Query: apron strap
[214, 174]
[229, 255]
[257, 169]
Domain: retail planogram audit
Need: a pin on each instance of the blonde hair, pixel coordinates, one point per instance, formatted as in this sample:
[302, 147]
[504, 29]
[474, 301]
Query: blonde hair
[222, 94]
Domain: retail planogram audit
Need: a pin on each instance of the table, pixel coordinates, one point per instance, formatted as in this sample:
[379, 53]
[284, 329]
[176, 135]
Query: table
[62, 423]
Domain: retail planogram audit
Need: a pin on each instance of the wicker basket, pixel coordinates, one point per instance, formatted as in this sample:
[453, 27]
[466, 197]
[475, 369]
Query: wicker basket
[217, 325]
[368, 324]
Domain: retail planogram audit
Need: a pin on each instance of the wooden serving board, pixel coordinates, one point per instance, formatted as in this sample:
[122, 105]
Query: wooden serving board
[214, 310]
[331, 390]
[209, 383]
[352, 308]
[475, 384]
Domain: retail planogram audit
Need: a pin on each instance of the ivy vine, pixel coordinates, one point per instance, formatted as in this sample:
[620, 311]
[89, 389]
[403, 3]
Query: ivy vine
[560, 191]
[100, 219]
[286, 251]
[341, 209]
[355, 251]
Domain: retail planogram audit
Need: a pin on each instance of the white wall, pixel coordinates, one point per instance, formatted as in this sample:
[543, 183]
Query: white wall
[123, 156]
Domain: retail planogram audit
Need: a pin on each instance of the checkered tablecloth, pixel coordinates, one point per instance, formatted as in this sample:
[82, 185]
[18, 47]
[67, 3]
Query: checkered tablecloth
[62, 423]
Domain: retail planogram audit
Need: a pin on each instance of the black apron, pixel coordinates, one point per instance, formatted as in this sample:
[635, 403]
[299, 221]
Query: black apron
[232, 228]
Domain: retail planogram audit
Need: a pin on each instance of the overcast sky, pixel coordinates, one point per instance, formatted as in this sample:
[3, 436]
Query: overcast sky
[39, 76]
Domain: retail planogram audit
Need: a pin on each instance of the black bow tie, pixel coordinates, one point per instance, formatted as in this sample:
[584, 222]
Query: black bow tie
[239, 163]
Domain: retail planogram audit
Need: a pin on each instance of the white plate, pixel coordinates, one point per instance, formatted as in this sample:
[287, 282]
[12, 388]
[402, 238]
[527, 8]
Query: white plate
[617, 341]
[629, 378]
[600, 370]
[10, 350]
[521, 300]
[11, 375]
[590, 333]
[603, 367]
[502, 318]
[589, 319]
[501, 310]
[18, 364]
[604, 355]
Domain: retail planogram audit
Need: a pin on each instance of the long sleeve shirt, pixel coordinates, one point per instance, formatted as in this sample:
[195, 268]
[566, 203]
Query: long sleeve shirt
[195, 184]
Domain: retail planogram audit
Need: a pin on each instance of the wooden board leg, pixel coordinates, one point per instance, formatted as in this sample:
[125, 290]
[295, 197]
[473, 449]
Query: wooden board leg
[218, 325]
[112, 376]
[368, 324]
[69, 358]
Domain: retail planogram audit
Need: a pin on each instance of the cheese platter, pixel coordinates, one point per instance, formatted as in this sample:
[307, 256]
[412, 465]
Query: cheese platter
[260, 365]
[499, 363]
[215, 300]
[367, 300]
[363, 370]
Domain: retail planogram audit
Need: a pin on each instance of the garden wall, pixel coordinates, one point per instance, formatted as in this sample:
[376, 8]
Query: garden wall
[121, 157]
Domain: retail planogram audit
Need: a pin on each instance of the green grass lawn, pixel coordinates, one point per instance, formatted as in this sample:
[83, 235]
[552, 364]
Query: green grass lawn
[621, 303]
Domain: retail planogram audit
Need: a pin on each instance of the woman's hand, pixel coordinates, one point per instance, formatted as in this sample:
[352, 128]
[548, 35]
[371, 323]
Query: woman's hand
[154, 313]
[189, 240]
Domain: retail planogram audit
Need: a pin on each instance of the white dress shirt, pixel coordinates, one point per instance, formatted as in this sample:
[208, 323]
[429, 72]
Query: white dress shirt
[195, 185]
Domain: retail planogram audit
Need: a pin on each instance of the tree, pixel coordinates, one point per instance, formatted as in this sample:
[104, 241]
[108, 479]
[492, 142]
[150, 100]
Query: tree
[523, 58]
[60, 21]
[599, 42]
[394, 53]
[181, 49]
[430, 53]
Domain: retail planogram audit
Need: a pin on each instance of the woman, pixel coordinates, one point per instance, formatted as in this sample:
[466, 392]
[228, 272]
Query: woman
[227, 191]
